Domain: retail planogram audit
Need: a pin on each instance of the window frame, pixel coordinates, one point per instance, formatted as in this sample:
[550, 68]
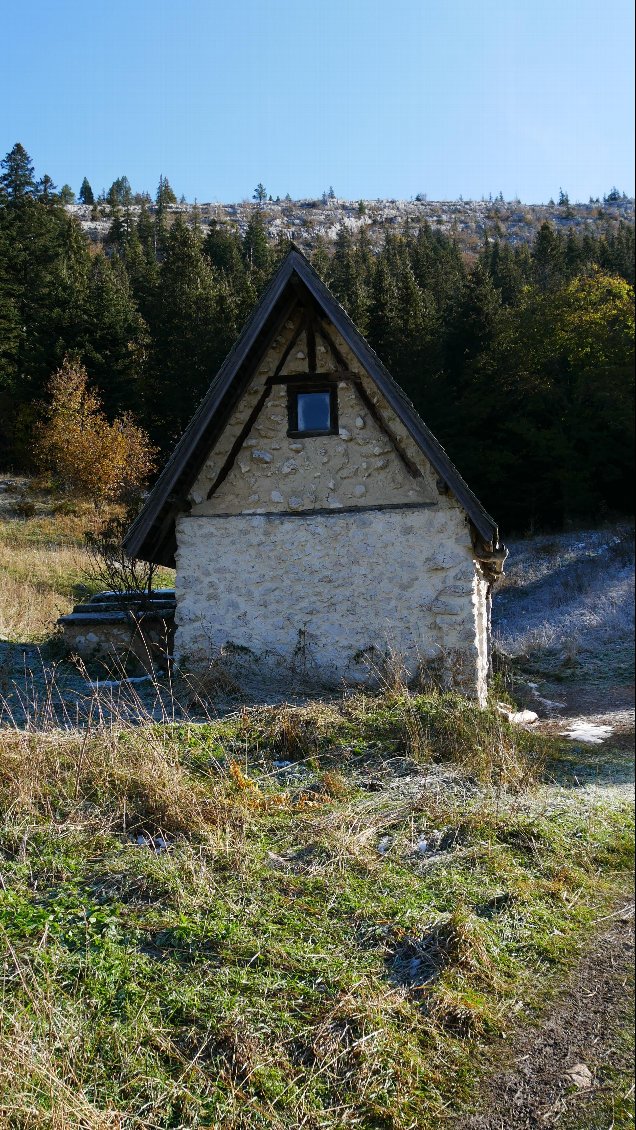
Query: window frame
[293, 391]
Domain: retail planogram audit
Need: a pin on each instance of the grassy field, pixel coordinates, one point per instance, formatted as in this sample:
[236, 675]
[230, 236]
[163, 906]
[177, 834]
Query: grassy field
[326, 916]
[44, 567]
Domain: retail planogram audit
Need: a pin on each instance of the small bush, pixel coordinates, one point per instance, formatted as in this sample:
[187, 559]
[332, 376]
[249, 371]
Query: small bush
[108, 462]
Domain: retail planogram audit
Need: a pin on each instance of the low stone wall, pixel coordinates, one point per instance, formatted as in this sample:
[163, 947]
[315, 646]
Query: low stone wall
[325, 598]
[114, 624]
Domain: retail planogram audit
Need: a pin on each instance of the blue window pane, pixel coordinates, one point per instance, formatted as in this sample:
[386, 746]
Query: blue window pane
[314, 414]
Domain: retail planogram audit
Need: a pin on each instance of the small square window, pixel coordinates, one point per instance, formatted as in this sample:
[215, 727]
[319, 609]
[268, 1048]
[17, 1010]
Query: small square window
[312, 411]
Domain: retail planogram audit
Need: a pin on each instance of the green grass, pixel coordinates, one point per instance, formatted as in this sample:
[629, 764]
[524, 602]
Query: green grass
[273, 968]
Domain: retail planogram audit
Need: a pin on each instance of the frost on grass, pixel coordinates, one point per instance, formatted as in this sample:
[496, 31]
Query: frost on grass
[568, 598]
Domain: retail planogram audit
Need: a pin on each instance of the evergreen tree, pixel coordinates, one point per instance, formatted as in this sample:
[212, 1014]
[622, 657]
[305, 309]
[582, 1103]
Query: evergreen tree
[46, 190]
[321, 259]
[165, 195]
[256, 249]
[347, 278]
[508, 268]
[383, 312]
[115, 338]
[86, 193]
[224, 249]
[547, 257]
[188, 343]
[142, 267]
[17, 181]
[119, 193]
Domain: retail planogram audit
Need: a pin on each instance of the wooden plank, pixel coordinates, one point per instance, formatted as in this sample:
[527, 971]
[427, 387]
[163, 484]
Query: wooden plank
[333, 376]
[310, 331]
[322, 510]
[239, 441]
[374, 412]
[296, 332]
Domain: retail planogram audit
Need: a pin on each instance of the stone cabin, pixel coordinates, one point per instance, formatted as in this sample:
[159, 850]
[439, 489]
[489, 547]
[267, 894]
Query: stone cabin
[316, 525]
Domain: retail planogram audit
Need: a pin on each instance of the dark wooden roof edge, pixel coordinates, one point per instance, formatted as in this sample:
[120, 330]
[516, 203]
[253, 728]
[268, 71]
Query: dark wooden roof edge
[139, 540]
[169, 477]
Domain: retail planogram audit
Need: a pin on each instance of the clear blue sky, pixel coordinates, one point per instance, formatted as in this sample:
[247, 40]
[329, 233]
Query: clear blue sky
[380, 98]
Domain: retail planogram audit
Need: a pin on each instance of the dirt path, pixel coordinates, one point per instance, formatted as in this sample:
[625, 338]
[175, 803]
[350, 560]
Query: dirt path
[573, 1071]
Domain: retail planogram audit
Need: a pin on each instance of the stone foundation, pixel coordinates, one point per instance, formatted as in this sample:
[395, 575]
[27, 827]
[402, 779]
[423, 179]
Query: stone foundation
[112, 625]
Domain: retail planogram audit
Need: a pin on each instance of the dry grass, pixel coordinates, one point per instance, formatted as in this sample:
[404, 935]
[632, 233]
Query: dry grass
[44, 568]
[37, 583]
[191, 941]
[121, 779]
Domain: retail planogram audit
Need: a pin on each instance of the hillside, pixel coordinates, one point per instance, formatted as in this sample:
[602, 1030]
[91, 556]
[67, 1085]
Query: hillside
[303, 917]
[306, 221]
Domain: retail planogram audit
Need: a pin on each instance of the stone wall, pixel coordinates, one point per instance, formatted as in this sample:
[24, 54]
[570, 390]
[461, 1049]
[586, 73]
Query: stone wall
[326, 596]
[113, 625]
[314, 556]
[274, 473]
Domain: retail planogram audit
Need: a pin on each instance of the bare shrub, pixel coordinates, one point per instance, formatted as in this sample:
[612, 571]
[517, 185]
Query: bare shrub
[109, 564]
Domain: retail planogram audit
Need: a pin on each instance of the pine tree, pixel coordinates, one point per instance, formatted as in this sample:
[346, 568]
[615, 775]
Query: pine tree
[188, 342]
[165, 195]
[320, 259]
[256, 250]
[223, 247]
[508, 271]
[46, 190]
[347, 281]
[142, 267]
[86, 193]
[383, 311]
[547, 257]
[120, 193]
[114, 338]
[17, 181]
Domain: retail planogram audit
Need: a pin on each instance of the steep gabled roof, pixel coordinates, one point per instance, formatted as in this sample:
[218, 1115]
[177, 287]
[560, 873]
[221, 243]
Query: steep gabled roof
[152, 534]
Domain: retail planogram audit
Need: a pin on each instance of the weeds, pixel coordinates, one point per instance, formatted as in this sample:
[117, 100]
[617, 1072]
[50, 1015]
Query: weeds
[194, 937]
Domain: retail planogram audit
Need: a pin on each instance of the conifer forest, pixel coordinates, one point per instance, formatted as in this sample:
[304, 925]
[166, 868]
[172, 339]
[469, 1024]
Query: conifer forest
[518, 356]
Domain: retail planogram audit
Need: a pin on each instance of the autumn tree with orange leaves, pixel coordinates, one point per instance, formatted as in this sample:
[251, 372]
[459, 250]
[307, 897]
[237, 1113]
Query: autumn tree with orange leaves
[86, 454]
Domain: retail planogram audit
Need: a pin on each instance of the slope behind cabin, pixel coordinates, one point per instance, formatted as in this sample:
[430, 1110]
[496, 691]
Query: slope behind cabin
[316, 525]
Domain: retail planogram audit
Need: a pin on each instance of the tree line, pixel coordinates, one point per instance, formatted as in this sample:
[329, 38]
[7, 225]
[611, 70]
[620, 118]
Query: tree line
[520, 359]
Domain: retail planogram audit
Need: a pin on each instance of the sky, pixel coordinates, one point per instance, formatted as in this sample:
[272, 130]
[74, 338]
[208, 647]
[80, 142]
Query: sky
[377, 98]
